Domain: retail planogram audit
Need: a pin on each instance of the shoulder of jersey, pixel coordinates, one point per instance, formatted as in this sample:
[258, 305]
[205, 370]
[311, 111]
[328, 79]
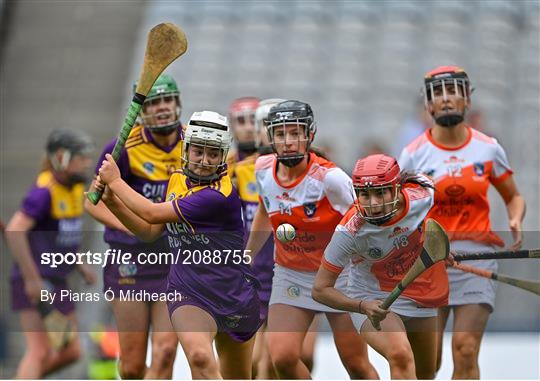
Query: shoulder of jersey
[231, 158]
[223, 186]
[250, 160]
[176, 175]
[322, 162]
[417, 192]
[45, 180]
[351, 221]
[320, 167]
[417, 143]
[136, 137]
[265, 161]
[480, 136]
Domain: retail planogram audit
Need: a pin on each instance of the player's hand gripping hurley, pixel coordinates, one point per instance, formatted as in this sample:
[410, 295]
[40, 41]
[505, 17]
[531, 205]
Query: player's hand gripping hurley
[166, 42]
[435, 249]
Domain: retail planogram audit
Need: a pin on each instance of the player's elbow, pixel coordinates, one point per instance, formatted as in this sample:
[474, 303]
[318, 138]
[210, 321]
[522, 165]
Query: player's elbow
[145, 238]
[317, 293]
[148, 236]
[152, 216]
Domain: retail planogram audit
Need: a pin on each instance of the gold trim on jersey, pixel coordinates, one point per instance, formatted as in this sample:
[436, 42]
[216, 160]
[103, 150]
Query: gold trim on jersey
[246, 182]
[148, 161]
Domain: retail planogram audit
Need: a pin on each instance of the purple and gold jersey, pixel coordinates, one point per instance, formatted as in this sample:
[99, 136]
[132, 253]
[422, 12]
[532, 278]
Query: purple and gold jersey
[146, 167]
[204, 240]
[246, 182]
[57, 210]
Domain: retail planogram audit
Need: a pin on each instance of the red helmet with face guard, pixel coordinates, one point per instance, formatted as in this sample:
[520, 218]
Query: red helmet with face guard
[245, 105]
[376, 182]
[242, 122]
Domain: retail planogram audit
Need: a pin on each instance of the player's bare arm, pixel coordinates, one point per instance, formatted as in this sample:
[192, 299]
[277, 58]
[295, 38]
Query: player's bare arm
[153, 213]
[20, 248]
[324, 292]
[515, 207]
[103, 215]
[261, 229]
[144, 230]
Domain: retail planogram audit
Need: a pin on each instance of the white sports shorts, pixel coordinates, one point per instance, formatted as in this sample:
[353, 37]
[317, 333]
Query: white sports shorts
[402, 306]
[293, 288]
[467, 288]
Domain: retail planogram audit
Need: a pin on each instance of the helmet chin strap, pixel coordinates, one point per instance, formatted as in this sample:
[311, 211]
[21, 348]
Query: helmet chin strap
[78, 178]
[166, 130]
[247, 148]
[202, 180]
[380, 220]
[449, 120]
[290, 161]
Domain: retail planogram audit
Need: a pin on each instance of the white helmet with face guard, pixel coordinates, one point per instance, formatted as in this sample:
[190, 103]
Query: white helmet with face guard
[206, 130]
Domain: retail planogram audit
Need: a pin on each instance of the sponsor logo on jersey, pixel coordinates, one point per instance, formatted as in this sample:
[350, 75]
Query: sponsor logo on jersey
[310, 208]
[375, 252]
[266, 202]
[453, 160]
[454, 190]
[148, 167]
[479, 169]
[398, 230]
[126, 270]
[293, 291]
[62, 206]
[285, 197]
[154, 191]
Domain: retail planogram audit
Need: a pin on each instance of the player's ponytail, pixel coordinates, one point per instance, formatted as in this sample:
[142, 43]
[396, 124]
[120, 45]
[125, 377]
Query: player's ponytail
[408, 177]
[318, 151]
[45, 164]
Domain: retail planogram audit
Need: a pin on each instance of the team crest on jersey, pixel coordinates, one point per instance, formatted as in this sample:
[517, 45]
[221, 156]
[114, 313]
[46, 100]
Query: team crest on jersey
[149, 167]
[310, 208]
[375, 252]
[252, 188]
[479, 169]
[171, 197]
[127, 270]
[293, 291]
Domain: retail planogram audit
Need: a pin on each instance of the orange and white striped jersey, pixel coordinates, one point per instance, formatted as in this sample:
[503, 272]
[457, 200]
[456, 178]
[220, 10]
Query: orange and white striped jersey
[313, 204]
[381, 255]
[462, 176]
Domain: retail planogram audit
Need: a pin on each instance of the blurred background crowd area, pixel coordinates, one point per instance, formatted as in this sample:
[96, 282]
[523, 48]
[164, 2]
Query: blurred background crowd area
[360, 64]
